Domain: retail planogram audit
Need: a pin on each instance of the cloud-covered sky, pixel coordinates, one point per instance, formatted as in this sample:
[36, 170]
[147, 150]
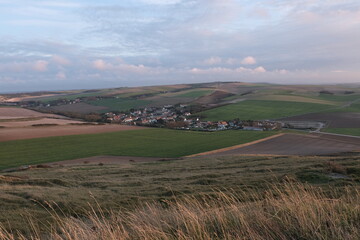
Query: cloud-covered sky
[53, 45]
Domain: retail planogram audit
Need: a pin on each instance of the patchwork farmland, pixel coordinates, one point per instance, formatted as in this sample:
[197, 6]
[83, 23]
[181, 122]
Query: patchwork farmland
[47, 157]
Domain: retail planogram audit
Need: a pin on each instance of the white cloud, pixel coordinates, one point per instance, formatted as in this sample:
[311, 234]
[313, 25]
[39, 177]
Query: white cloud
[248, 60]
[213, 61]
[260, 69]
[60, 60]
[101, 65]
[40, 66]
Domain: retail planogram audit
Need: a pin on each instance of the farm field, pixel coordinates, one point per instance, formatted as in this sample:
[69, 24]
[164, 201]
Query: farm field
[296, 144]
[258, 110]
[72, 188]
[75, 128]
[118, 104]
[295, 98]
[79, 108]
[332, 119]
[142, 143]
[28, 122]
[16, 113]
[354, 107]
[194, 93]
[346, 131]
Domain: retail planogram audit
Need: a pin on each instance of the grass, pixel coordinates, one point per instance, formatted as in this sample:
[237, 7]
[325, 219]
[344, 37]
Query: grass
[71, 96]
[258, 110]
[355, 107]
[346, 131]
[160, 194]
[147, 143]
[296, 98]
[339, 98]
[118, 104]
[290, 211]
[194, 94]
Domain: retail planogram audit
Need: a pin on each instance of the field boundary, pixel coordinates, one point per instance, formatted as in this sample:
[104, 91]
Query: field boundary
[234, 147]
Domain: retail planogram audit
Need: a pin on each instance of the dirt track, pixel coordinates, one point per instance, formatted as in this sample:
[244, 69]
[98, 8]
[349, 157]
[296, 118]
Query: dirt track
[294, 144]
[8, 134]
[106, 160]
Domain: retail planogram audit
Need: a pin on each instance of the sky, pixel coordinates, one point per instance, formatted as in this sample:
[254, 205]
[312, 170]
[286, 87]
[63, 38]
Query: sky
[78, 44]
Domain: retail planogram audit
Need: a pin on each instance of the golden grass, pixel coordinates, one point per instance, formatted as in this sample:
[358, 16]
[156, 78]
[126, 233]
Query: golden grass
[286, 211]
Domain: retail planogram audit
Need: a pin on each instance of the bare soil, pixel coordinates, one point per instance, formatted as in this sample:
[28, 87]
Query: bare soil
[8, 134]
[295, 144]
[333, 120]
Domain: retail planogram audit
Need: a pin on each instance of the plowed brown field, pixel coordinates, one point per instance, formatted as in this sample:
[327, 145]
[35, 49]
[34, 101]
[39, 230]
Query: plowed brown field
[295, 144]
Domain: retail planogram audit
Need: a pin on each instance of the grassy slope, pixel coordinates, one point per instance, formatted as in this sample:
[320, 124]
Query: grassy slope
[346, 131]
[296, 98]
[115, 186]
[256, 110]
[70, 96]
[355, 107]
[149, 142]
[194, 94]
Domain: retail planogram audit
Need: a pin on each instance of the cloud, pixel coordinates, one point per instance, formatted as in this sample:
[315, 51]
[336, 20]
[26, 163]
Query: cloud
[248, 61]
[61, 75]
[260, 69]
[60, 60]
[213, 61]
[101, 65]
[40, 66]
[148, 42]
[37, 66]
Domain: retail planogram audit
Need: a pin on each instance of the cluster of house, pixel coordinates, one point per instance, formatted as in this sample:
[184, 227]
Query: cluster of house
[150, 115]
[180, 118]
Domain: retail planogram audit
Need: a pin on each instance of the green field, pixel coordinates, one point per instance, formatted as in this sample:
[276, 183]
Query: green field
[339, 98]
[258, 110]
[71, 96]
[346, 131]
[146, 143]
[195, 93]
[118, 104]
[355, 107]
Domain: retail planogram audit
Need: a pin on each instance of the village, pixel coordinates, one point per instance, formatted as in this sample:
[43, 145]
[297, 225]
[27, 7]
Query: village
[179, 117]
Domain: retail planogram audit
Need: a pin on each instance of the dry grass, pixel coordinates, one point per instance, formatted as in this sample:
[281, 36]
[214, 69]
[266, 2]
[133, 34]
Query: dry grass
[287, 211]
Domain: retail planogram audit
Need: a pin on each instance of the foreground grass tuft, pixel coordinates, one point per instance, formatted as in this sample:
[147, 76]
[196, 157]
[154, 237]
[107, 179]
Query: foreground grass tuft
[286, 211]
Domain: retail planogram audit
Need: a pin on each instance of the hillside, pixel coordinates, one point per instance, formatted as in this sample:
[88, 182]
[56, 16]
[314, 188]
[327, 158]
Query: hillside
[130, 184]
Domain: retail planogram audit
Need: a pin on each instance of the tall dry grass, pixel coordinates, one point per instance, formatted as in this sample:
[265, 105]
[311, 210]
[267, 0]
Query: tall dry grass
[288, 211]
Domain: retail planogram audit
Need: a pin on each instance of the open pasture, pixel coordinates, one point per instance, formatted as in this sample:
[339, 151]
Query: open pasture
[142, 143]
[9, 134]
[118, 104]
[80, 108]
[346, 131]
[259, 110]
